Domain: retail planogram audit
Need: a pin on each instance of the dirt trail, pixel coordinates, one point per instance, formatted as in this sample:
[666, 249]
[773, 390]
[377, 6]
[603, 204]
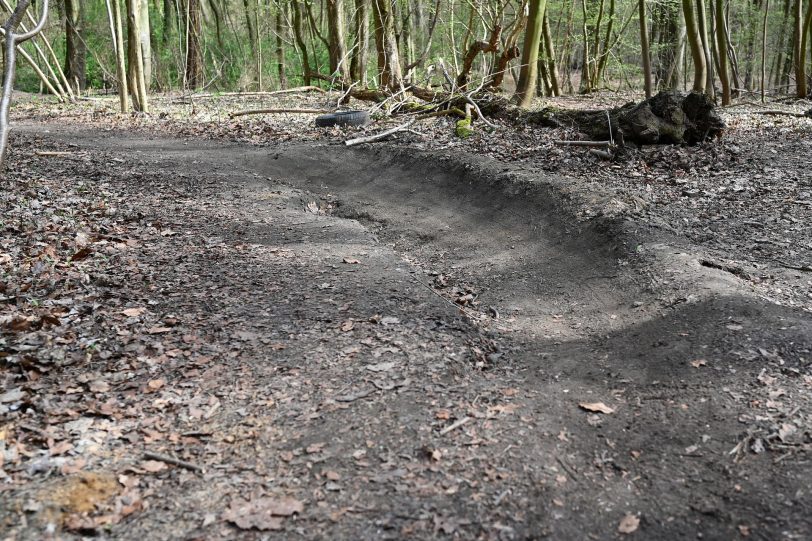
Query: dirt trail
[322, 282]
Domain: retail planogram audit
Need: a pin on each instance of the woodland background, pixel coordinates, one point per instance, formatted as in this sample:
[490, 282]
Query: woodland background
[366, 47]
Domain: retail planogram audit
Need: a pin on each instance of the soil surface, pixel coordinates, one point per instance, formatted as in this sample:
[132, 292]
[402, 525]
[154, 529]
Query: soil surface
[214, 340]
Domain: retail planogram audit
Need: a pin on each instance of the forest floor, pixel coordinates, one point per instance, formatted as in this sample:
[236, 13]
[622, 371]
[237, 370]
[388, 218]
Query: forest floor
[219, 329]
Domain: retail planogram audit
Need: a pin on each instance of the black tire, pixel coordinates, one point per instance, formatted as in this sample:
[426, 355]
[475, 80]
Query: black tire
[344, 118]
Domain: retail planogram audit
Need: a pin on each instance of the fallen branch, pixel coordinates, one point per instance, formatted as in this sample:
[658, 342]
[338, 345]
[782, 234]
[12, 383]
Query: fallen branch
[455, 425]
[783, 113]
[379, 136]
[356, 396]
[297, 90]
[172, 460]
[590, 144]
[279, 111]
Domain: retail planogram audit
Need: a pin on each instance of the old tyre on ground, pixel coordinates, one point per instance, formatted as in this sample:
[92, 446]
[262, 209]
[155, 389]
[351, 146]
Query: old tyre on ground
[343, 118]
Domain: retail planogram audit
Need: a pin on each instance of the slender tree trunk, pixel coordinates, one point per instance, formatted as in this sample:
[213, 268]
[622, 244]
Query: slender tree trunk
[75, 49]
[526, 88]
[387, 45]
[339, 63]
[301, 43]
[805, 36]
[360, 54]
[549, 52]
[194, 45]
[798, 52]
[695, 41]
[117, 31]
[702, 20]
[764, 52]
[135, 70]
[644, 48]
[721, 45]
[280, 50]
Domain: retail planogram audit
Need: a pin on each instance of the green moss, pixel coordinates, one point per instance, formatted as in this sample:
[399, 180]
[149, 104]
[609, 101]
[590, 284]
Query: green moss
[464, 129]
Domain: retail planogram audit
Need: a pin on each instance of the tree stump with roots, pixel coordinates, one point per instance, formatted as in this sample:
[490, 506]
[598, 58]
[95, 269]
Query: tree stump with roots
[667, 118]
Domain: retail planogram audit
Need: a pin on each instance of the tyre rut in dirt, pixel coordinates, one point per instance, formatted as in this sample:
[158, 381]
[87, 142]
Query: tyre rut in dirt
[344, 118]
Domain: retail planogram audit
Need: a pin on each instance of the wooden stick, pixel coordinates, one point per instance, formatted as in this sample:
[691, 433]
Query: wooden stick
[278, 111]
[378, 137]
[172, 460]
[591, 144]
[250, 94]
[52, 153]
[455, 425]
[780, 113]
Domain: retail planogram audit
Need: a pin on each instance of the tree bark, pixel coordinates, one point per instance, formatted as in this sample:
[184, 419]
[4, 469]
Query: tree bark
[721, 45]
[644, 49]
[526, 89]
[337, 50]
[135, 70]
[387, 46]
[695, 41]
[194, 46]
[75, 49]
[360, 55]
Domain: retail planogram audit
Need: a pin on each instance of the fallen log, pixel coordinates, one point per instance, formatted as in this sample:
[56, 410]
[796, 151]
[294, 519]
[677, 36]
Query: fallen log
[668, 117]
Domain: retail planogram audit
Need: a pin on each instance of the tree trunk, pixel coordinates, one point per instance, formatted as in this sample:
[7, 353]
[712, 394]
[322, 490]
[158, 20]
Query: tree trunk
[695, 41]
[721, 45]
[387, 46]
[280, 49]
[526, 88]
[549, 52]
[135, 70]
[805, 35]
[360, 55]
[644, 48]
[121, 65]
[194, 45]
[337, 49]
[75, 49]
[301, 44]
[798, 53]
[702, 20]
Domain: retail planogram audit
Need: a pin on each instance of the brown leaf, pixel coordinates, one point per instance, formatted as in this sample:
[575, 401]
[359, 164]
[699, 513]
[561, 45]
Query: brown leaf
[597, 407]
[155, 384]
[351, 261]
[81, 254]
[628, 524]
[262, 513]
[133, 312]
[348, 325]
[699, 362]
[153, 466]
[159, 330]
[99, 386]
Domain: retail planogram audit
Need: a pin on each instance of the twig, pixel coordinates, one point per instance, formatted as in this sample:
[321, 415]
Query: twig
[249, 94]
[172, 460]
[356, 396]
[479, 112]
[54, 153]
[567, 468]
[379, 136]
[455, 425]
[277, 111]
[591, 144]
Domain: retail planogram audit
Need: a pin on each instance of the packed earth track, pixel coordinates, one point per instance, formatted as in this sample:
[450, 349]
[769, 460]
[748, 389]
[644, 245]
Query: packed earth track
[305, 341]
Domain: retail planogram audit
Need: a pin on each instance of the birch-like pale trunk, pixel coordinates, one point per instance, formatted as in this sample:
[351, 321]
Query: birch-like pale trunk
[13, 39]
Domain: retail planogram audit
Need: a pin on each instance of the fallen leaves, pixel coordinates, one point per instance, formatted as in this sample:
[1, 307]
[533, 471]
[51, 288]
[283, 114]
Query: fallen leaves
[596, 407]
[134, 312]
[628, 524]
[262, 513]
